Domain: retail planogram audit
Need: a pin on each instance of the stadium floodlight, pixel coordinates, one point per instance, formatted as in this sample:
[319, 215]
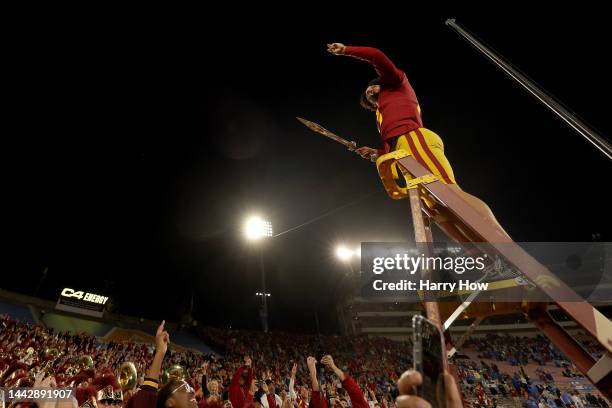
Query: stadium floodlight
[344, 253]
[257, 228]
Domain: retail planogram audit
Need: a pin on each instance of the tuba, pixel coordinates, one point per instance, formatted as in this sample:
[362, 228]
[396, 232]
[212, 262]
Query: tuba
[84, 362]
[128, 376]
[174, 372]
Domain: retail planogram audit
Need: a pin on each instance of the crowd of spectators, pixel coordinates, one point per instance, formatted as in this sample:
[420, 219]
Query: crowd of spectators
[276, 370]
[518, 350]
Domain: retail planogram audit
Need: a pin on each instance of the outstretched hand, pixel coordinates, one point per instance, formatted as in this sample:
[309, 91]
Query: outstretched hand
[311, 362]
[41, 380]
[336, 48]
[162, 338]
[366, 152]
[328, 361]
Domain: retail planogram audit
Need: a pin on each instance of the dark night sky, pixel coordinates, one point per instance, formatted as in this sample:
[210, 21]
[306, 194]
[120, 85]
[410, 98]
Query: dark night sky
[139, 147]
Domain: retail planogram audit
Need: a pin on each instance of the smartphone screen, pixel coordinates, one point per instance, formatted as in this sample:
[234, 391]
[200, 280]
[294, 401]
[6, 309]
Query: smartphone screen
[429, 360]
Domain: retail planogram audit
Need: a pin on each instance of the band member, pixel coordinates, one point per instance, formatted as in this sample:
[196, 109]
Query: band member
[399, 121]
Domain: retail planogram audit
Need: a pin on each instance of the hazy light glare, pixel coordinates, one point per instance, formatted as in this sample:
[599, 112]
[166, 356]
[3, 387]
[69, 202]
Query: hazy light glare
[256, 228]
[343, 253]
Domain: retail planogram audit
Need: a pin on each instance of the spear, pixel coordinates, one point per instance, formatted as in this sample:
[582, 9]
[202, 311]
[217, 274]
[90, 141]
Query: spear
[315, 127]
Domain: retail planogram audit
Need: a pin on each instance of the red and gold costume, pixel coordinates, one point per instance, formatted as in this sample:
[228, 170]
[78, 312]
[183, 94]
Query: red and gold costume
[398, 116]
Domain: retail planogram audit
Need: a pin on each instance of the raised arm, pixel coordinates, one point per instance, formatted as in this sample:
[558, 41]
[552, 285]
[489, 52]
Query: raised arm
[317, 400]
[351, 387]
[312, 370]
[328, 361]
[237, 391]
[388, 72]
[238, 373]
[292, 393]
[162, 338]
[146, 396]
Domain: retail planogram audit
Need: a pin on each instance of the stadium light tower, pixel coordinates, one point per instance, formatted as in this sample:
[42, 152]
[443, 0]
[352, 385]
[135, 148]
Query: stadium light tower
[256, 229]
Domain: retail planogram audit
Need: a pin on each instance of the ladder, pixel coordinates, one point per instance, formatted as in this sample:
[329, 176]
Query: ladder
[433, 202]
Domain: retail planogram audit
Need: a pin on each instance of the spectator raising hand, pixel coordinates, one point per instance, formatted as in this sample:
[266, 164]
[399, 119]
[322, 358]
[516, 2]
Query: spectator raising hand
[162, 338]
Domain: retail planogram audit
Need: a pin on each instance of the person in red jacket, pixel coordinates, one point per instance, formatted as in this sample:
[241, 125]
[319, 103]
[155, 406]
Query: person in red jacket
[399, 121]
[241, 383]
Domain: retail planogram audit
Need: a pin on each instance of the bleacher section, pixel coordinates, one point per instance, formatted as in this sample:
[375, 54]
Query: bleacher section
[110, 328]
[65, 323]
[564, 383]
[20, 312]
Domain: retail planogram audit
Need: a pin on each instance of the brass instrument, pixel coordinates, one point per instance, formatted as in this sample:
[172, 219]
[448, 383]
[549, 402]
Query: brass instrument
[52, 353]
[128, 376]
[78, 365]
[70, 371]
[174, 372]
[84, 362]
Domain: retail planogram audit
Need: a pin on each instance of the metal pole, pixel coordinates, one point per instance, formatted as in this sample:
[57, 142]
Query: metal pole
[264, 294]
[541, 95]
